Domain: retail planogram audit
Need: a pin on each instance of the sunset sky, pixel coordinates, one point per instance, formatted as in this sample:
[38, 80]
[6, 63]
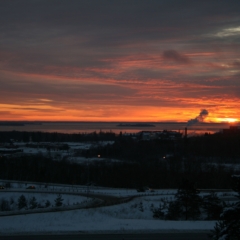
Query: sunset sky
[119, 60]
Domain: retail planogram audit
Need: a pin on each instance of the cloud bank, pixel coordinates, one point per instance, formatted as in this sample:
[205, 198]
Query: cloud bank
[140, 57]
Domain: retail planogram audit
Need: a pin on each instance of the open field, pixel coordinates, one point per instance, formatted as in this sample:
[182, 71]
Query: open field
[131, 216]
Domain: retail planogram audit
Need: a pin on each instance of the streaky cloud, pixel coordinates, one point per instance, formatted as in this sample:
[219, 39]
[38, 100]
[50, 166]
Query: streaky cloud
[175, 56]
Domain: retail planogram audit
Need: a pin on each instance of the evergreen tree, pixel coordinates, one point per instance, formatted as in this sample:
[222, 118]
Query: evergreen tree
[140, 207]
[187, 202]
[160, 211]
[4, 205]
[58, 200]
[47, 203]
[228, 227]
[22, 202]
[212, 206]
[33, 203]
[174, 211]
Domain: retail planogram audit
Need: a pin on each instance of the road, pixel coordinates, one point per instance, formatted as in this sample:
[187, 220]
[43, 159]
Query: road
[142, 236]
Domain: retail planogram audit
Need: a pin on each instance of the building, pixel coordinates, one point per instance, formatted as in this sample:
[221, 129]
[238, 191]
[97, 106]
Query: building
[232, 130]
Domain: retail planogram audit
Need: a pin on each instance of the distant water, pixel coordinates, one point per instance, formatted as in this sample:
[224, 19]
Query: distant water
[87, 127]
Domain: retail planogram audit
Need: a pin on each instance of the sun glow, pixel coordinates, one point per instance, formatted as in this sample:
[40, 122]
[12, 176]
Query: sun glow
[228, 120]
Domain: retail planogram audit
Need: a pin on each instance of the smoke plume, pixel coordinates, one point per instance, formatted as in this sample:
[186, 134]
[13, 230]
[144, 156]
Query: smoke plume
[200, 118]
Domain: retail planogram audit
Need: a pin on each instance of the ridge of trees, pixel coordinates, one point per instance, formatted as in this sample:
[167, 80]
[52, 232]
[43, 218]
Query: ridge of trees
[23, 136]
[142, 163]
[153, 173]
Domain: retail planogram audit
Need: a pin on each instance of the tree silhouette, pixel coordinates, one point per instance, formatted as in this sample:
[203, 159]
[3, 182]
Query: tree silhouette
[33, 203]
[212, 206]
[188, 200]
[4, 205]
[228, 227]
[22, 202]
[58, 200]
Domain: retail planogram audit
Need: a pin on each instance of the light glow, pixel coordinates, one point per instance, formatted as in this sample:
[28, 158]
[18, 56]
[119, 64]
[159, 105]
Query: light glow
[228, 120]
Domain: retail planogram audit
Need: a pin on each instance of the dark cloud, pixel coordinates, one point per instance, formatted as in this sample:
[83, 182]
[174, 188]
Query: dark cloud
[61, 90]
[175, 56]
[121, 12]
[81, 47]
[114, 21]
[108, 24]
[236, 64]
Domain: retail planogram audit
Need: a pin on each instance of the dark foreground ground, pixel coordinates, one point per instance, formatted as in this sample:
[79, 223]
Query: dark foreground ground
[142, 236]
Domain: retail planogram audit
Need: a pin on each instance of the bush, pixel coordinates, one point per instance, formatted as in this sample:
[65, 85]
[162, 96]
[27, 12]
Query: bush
[58, 200]
[4, 205]
[47, 203]
[22, 202]
[187, 203]
[212, 206]
[174, 211]
[160, 211]
[33, 203]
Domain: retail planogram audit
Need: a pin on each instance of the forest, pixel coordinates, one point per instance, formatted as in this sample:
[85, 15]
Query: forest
[208, 161]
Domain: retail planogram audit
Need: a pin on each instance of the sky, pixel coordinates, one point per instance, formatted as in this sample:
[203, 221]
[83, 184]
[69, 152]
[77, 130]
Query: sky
[119, 60]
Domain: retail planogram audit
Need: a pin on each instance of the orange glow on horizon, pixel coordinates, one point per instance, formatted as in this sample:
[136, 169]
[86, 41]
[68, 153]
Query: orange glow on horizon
[228, 120]
[47, 111]
[83, 97]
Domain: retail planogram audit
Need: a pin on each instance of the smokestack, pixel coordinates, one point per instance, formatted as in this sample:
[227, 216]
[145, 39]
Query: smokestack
[185, 141]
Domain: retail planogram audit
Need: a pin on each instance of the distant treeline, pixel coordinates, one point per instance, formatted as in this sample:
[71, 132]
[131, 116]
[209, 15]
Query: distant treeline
[23, 136]
[219, 144]
[154, 174]
[129, 162]
[219, 147]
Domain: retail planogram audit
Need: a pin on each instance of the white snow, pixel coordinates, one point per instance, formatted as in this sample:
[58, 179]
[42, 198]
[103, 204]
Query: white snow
[133, 216]
[41, 198]
[92, 220]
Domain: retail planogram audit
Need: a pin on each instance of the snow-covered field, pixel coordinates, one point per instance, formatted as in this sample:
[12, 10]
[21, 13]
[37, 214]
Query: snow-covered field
[133, 216]
[41, 199]
[115, 218]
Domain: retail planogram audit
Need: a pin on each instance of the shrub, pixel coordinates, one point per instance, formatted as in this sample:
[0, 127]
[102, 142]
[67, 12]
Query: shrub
[22, 202]
[58, 200]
